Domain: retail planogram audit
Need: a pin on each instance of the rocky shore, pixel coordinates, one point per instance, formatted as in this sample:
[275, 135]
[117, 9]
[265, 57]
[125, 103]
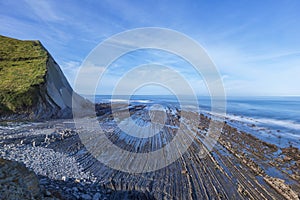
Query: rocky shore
[240, 166]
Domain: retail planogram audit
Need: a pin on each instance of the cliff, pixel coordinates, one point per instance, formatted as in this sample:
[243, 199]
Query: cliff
[32, 85]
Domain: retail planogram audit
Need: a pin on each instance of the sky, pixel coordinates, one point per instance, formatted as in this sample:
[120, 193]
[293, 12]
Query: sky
[255, 45]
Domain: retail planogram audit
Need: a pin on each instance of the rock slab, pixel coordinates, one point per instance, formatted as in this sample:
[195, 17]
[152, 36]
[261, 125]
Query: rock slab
[17, 182]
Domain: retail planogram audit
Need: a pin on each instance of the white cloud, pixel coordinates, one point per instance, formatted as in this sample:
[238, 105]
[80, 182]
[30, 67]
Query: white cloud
[70, 70]
[87, 77]
[254, 57]
[44, 10]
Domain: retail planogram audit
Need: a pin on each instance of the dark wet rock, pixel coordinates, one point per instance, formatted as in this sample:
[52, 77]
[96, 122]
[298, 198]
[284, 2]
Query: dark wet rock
[97, 196]
[86, 197]
[18, 182]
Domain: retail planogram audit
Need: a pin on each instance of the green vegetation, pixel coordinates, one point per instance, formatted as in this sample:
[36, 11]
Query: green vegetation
[22, 71]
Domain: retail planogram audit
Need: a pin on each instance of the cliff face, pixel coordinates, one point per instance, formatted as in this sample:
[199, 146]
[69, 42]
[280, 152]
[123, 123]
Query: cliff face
[32, 85]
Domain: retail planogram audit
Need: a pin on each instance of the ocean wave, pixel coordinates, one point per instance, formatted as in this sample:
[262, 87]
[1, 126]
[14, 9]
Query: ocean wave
[240, 118]
[123, 100]
[283, 123]
[141, 101]
[117, 100]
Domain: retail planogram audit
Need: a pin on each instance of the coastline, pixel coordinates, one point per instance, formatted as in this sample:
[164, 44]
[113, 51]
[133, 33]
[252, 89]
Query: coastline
[239, 166]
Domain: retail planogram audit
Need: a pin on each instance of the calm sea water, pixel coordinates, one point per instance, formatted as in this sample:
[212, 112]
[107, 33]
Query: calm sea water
[275, 119]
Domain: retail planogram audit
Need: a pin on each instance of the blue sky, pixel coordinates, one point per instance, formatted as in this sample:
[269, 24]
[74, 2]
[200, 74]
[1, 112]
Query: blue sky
[254, 44]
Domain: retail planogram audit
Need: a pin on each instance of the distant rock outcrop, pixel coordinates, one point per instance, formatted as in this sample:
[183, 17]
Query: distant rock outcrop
[32, 85]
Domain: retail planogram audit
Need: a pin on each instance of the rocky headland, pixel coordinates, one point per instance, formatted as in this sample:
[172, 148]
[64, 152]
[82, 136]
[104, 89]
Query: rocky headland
[32, 85]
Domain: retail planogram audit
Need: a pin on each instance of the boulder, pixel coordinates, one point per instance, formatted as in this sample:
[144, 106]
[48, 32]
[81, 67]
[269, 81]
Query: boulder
[17, 182]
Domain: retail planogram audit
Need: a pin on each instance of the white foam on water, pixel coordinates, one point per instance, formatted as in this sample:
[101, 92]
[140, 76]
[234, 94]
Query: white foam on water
[141, 101]
[284, 123]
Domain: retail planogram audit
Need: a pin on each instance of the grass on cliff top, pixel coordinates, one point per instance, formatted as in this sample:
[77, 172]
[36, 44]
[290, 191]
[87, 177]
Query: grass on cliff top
[22, 70]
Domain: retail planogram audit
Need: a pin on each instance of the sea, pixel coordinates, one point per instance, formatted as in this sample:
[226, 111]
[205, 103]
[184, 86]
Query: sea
[273, 119]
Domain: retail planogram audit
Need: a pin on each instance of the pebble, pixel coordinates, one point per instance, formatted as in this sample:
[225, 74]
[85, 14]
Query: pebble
[77, 181]
[75, 189]
[48, 193]
[108, 191]
[97, 196]
[76, 196]
[43, 181]
[86, 197]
